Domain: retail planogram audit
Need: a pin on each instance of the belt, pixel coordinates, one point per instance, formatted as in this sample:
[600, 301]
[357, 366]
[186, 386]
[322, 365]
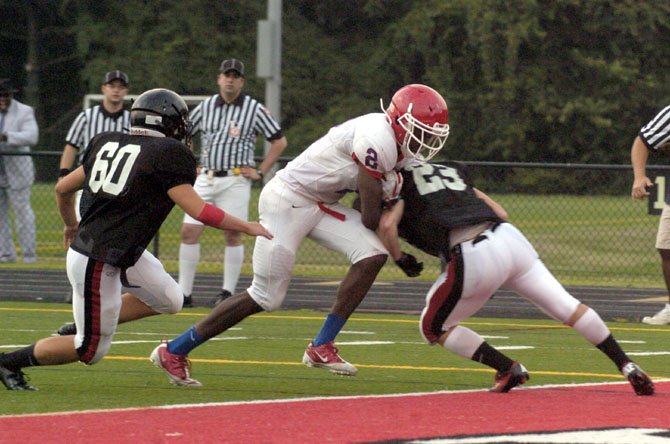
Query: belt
[222, 173]
[475, 239]
[481, 236]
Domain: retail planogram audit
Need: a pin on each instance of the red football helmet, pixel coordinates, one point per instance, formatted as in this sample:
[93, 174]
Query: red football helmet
[420, 120]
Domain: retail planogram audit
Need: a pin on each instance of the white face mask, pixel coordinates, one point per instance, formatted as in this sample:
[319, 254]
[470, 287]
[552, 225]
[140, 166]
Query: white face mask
[421, 141]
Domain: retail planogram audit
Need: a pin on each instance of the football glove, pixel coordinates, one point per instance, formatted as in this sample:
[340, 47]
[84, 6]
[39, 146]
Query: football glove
[409, 265]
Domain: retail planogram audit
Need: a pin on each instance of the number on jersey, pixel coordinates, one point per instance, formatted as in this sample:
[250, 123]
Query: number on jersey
[431, 178]
[112, 167]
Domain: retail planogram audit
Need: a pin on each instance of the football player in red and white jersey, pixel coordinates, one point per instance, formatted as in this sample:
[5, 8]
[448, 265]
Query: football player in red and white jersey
[302, 201]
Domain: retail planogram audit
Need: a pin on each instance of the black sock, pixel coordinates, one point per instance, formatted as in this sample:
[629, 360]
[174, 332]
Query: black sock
[488, 355]
[18, 359]
[613, 350]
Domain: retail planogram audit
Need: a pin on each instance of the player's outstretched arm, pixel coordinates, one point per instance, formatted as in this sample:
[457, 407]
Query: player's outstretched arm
[388, 229]
[495, 206]
[185, 196]
[388, 233]
[65, 189]
[370, 192]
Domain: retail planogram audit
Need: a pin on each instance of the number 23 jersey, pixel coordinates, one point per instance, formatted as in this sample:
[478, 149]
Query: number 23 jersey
[439, 198]
[129, 176]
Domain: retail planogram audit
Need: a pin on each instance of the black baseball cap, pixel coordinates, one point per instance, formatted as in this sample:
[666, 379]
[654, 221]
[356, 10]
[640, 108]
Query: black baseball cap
[6, 87]
[116, 75]
[232, 64]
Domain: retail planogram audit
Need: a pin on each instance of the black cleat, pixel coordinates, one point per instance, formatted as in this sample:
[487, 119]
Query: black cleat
[222, 296]
[506, 381]
[14, 380]
[638, 379]
[67, 329]
[188, 301]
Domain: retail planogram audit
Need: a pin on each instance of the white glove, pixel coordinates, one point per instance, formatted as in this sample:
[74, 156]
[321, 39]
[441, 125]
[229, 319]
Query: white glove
[391, 186]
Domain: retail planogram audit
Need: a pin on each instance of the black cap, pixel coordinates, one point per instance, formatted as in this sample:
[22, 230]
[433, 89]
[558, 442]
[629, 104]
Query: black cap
[116, 75]
[232, 64]
[6, 87]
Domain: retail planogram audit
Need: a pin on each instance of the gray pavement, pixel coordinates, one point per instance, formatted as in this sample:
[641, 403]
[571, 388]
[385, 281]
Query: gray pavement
[406, 296]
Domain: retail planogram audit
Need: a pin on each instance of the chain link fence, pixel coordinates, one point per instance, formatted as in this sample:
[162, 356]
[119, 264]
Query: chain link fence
[580, 218]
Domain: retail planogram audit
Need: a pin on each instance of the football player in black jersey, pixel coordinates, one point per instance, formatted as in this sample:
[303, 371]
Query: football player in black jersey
[136, 179]
[442, 213]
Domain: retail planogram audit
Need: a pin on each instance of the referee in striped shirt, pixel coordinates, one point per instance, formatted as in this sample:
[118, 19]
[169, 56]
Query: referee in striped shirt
[109, 116]
[229, 123]
[654, 137]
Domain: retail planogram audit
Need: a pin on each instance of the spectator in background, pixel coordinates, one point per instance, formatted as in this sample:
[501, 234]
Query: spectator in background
[18, 132]
[229, 123]
[654, 136]
[108, 116]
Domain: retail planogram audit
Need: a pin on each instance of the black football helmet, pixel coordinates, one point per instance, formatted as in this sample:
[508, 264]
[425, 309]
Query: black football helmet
[164, 111]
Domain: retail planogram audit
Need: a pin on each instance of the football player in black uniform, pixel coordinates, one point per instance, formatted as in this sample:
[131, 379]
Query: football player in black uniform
[442, 213]
[135, 179]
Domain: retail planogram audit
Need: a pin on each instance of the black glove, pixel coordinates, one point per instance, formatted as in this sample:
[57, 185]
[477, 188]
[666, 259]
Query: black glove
[409, 265]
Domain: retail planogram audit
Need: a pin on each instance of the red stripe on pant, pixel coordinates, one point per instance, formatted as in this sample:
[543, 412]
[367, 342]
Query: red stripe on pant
[91, 311]
[444, 299]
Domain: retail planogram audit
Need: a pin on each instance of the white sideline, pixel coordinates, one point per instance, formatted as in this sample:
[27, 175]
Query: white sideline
[315, 398]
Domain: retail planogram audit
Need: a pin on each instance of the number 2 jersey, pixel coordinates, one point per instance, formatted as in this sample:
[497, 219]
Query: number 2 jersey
[438, 198]
[328, 168]
[129, 176]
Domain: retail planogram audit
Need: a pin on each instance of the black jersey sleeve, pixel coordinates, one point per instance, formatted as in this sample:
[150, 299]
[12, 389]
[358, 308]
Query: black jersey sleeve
[177, 166]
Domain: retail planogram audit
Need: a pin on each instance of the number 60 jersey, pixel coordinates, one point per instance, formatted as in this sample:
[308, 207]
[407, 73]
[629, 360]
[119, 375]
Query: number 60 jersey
[129, 176]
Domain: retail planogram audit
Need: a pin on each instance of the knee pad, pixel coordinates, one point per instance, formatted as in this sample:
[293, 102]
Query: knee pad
[592, 327]
[167, 299]
[173, 301]
[463, 341]
[273, 265]
[95, 349]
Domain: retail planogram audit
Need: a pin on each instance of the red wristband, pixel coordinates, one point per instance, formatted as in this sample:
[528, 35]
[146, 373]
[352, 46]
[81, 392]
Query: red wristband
[211, 215]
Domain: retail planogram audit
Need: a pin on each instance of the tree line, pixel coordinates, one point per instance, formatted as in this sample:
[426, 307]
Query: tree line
[525, 80]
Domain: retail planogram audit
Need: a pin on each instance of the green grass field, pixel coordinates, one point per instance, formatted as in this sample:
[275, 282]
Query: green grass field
[584, 240]
[260, 359]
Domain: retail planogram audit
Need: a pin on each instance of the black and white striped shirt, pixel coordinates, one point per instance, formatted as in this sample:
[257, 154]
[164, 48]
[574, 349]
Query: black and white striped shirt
[93, 121]
[657, 131]
[228, 131]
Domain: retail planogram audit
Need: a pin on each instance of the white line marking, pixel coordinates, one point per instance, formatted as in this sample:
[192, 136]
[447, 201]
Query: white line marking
[513, 347]
[230, 338]
[648, 353]
[315, 398]
[366, 343]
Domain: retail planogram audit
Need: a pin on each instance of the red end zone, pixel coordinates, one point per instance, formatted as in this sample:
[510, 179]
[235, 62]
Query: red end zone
[373, 418]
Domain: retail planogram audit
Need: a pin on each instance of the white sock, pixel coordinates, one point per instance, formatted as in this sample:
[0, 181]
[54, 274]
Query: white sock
[232, 267]
[463, 341]
[189, 256]
[592, 327]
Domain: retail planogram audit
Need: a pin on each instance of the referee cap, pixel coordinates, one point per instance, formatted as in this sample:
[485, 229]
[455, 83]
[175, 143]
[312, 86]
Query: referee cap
[116, 75]
[232, 64]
